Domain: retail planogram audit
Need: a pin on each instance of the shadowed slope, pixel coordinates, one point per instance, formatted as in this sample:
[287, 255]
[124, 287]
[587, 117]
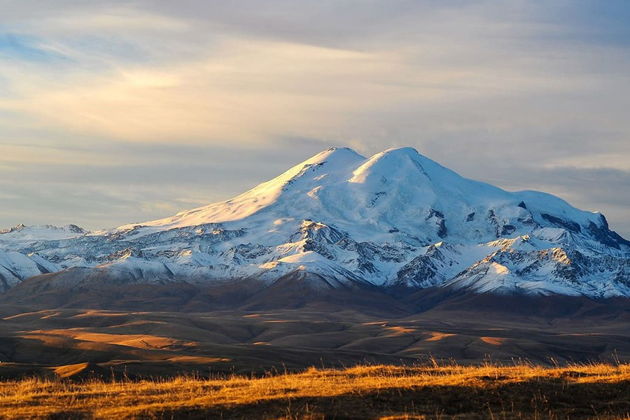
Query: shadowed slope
[141, 344]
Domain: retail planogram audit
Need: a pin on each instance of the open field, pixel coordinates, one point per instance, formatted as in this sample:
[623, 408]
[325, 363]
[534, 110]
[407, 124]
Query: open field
[434, 392]
[308, 363]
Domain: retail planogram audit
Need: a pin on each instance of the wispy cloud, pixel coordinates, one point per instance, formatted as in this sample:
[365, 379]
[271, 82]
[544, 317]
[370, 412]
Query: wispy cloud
[24, 47]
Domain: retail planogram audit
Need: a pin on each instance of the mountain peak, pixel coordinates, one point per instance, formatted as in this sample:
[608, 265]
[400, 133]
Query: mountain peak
[397, 187]
[338, 154]
[42, 232]
[389, 164]
[396, 217]
[405, 150]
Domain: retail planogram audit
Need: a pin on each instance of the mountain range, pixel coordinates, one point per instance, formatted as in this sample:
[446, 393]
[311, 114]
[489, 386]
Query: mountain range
[396, 221]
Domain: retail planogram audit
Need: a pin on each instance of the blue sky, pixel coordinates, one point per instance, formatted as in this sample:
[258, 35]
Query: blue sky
[117, 111]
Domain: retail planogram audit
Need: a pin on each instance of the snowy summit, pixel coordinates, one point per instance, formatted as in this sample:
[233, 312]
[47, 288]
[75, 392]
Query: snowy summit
[338, 219]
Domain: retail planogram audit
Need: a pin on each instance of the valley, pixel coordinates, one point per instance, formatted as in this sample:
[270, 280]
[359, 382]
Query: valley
[75, 343]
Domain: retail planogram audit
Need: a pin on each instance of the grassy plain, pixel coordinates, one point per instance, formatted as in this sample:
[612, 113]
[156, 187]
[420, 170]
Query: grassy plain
[86, 363]
[453, 391]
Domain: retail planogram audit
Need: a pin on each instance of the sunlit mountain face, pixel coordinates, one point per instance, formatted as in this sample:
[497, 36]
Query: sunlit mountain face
[340, 220]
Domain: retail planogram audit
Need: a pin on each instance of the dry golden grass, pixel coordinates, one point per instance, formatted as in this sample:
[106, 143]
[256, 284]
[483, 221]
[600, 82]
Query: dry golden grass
[522, 391]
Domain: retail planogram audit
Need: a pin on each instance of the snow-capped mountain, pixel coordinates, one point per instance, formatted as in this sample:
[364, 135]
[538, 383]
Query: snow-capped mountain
[396, 219]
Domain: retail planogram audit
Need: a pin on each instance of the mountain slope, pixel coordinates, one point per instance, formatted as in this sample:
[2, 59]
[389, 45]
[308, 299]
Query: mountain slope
[338, 220]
